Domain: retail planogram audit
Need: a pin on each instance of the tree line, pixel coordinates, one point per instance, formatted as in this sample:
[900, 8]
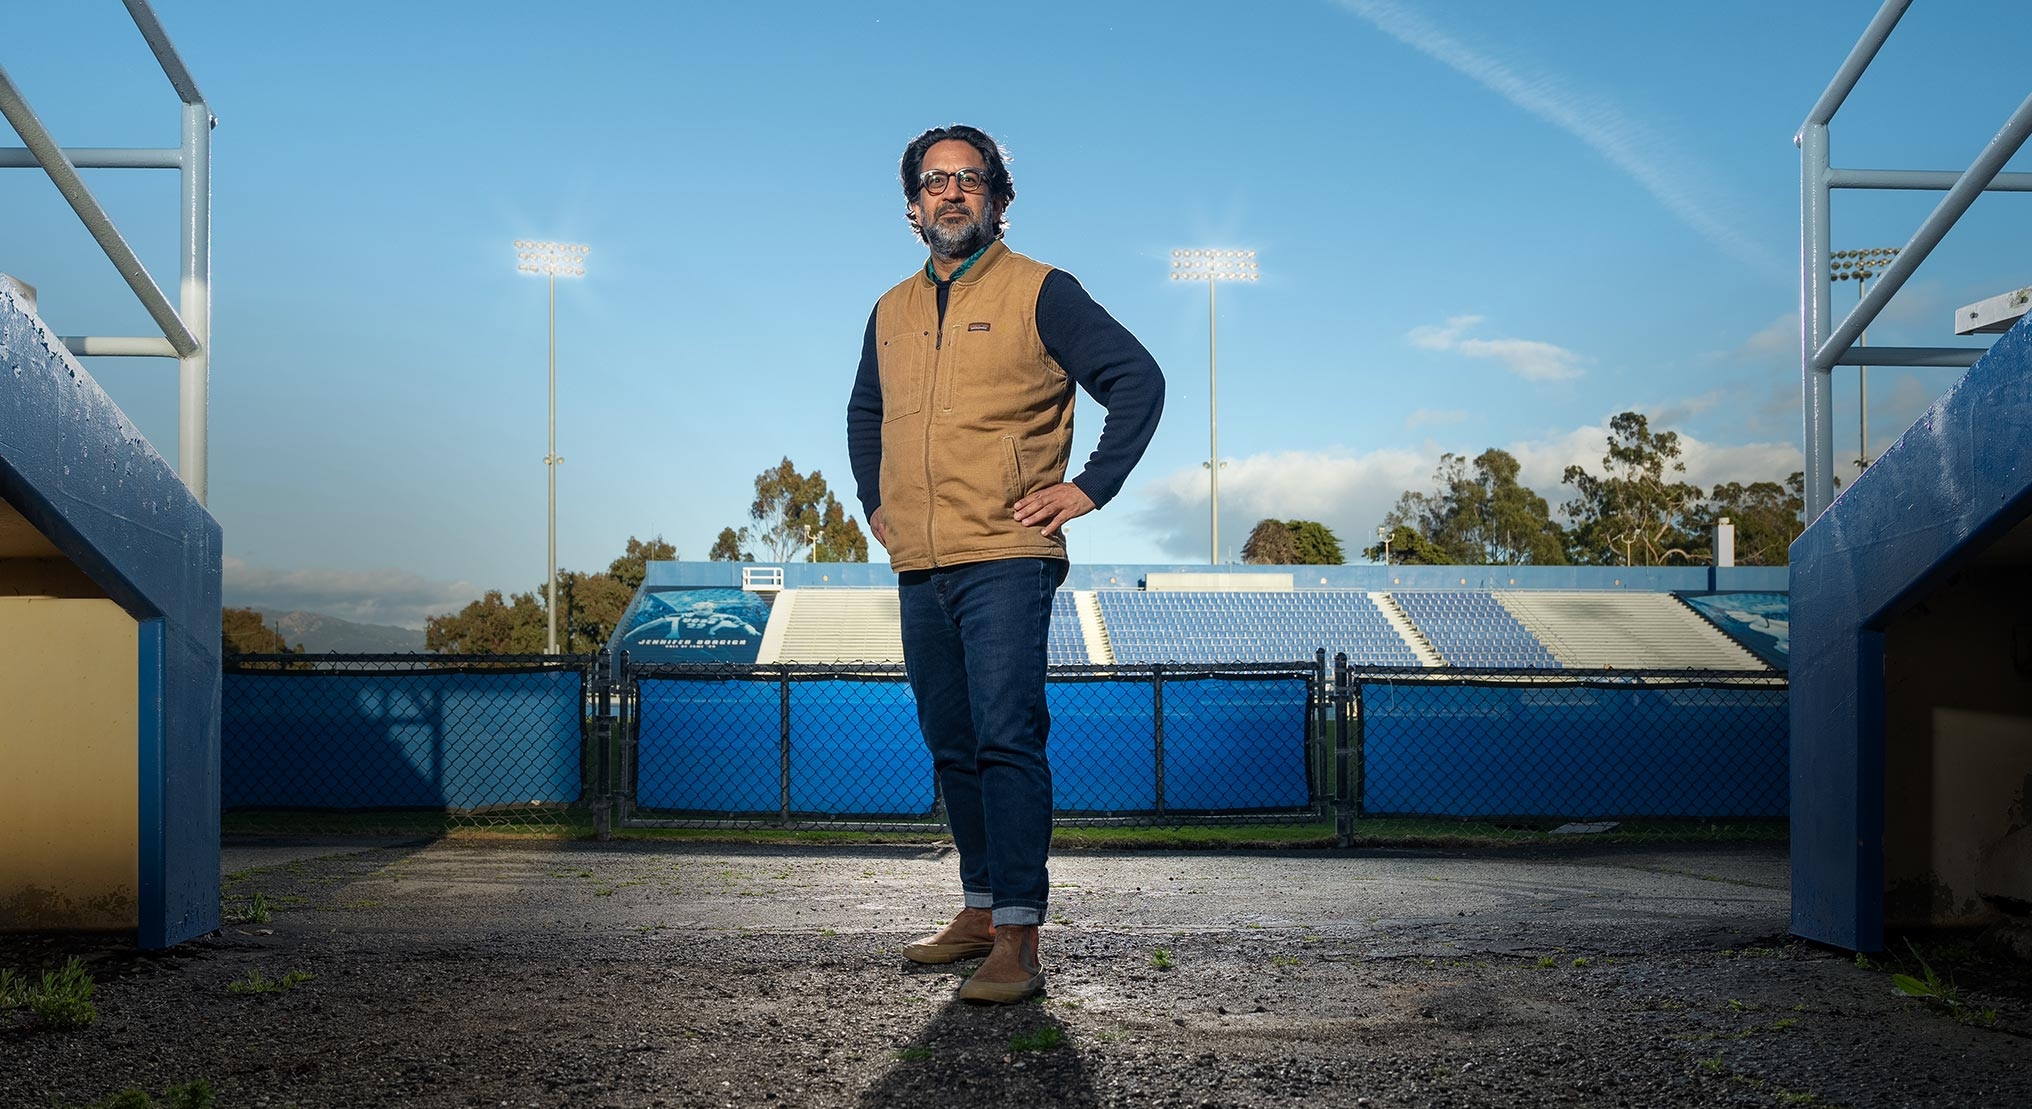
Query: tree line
[793, 513]
[1638, 510]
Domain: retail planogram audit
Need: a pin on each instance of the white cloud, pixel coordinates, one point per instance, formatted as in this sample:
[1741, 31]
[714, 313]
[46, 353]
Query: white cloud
[1632, 147]
[1893, 411]
[1422, 416]
[1543, 462]
[1348, 493]
[1529, 359]
[385, 596]
[1777, 339]
[1430, 337]
[1673, 413]
[1351, 493]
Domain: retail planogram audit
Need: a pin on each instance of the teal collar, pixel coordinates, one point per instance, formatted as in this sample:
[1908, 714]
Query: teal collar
[958, 273]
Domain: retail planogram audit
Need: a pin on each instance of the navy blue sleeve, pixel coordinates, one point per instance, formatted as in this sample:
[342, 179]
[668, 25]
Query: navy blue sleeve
[864, 426]
[1113, 368]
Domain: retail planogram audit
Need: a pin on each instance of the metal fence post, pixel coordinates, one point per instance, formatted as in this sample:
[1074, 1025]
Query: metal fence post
[603, 733]
[1347, 794]
[625, 721]
[1318, 759]
[1157, 732]
[783, 745]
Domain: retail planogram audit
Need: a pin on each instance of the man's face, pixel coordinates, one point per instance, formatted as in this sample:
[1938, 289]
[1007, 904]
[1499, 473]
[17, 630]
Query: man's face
[955, 223]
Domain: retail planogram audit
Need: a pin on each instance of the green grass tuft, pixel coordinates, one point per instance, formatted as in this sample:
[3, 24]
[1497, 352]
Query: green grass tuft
[1047, 1038]
[1160, 959]
[1932, 989]
[196, 1094]
[61, 1001]
[256, 911]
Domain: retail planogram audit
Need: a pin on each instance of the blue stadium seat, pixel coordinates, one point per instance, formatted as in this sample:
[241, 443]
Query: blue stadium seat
[1474, 629]
[1241, 627]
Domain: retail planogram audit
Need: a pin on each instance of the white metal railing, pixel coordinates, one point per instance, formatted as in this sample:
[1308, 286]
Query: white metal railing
[1824, 346]
[186, 328]
[762, 579]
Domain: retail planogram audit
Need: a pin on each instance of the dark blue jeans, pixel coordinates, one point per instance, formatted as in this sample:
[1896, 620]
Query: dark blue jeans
[974, 646]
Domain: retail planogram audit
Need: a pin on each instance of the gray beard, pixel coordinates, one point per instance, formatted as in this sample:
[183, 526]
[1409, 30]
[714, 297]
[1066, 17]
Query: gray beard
[948, 241]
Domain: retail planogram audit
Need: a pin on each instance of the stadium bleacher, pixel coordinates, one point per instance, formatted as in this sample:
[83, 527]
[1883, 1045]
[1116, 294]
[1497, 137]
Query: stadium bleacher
[1224, 626]
[1591, 629]
[1473, 629]
[1068, 643]
[1535, 629]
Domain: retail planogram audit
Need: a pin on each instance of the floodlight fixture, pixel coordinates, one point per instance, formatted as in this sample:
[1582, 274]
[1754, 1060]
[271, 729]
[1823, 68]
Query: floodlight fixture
[1213, 267]
[553, 260]
[1859, 266]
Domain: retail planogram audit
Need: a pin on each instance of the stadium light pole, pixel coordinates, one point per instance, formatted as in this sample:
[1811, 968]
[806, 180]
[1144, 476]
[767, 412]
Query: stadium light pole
[552, 260]
[1859, 266]
[1213, 267]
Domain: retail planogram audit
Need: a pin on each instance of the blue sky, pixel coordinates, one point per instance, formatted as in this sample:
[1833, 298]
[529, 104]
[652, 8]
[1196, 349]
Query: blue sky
[1479, 224]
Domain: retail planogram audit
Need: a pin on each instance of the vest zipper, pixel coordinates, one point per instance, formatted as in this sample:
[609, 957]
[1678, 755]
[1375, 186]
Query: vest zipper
[930, 422]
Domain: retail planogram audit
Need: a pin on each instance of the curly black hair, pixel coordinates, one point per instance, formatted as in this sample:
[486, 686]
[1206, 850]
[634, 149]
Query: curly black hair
[1001, 188]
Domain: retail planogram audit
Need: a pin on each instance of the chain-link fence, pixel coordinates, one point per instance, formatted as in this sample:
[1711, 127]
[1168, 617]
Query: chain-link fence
[1567, 752]
[406, 740]
[838, 746]
[563, 743]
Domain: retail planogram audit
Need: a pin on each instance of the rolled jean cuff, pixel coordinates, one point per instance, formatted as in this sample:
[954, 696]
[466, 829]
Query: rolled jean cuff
[1019, 914]
[980, 899]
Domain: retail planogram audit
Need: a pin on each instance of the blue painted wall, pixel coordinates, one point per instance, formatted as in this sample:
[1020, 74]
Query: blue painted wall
[1958, 478]
[72, 464]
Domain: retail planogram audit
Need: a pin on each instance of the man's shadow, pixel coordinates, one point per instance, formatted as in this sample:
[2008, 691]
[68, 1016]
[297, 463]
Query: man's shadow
[974, 1054]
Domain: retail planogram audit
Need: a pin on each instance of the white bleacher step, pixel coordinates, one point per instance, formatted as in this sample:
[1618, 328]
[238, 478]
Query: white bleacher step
[1093, 628]
[1414, 639]
[839, 625]
[1628, 631]
[782, 607]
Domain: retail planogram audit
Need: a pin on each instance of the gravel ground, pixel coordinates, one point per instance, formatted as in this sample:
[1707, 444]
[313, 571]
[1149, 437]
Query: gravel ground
[477, 973]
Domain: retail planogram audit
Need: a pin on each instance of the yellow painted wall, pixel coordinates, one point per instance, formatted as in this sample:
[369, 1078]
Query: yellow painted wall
[69, 745]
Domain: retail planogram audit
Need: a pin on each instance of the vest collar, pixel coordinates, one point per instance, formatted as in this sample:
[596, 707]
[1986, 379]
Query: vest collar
[988, 257]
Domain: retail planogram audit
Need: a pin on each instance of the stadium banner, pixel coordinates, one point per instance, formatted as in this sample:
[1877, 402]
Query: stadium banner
[1760, 621]
[679, 624]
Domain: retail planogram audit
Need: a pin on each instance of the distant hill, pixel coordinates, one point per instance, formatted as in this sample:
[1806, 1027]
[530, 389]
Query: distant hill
[320, 634]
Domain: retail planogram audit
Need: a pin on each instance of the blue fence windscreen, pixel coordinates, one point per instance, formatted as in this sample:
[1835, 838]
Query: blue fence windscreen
[1477, 750]
[1235, 745]
[426, 739]
[854, 747]
[1102, 748]
[708, 746]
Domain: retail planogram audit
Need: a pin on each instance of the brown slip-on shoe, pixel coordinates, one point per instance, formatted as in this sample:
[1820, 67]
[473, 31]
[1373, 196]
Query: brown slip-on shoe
[925, 951]
[1001, 993]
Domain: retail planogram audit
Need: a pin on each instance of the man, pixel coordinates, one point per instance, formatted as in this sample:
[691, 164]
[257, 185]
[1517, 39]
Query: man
[959, 430]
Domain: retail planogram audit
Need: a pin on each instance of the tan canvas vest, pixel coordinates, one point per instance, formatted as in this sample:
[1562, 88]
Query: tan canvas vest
[974, 416]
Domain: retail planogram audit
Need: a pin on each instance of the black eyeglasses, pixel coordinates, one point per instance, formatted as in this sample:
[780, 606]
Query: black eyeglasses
[971, 180]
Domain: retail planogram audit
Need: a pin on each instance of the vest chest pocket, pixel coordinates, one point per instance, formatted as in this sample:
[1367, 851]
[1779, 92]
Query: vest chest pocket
[904, 360]
[992, 368]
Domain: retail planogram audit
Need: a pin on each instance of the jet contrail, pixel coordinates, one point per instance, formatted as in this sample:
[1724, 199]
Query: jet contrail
[1593, 120]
